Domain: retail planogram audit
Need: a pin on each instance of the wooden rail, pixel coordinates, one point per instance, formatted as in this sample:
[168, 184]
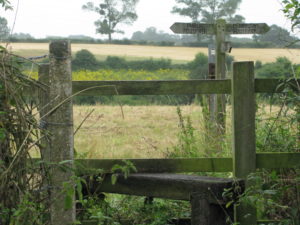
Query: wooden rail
[172, 87]
[180, 165]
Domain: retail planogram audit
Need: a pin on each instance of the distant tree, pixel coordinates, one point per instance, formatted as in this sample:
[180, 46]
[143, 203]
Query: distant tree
[276, 35]
[22, 36]
[4, 30]
[208, 11]
[112, 13]
[80, 37]
[151, 34]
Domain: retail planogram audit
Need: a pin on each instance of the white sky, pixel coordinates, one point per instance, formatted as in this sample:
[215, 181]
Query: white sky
[65, 17]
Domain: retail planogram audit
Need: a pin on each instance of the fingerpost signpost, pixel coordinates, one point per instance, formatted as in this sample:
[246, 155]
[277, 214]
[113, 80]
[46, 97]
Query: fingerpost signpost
[220, 29]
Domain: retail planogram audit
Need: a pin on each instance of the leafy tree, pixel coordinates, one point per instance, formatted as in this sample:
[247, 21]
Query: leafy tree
[151, 34]
[112, 13]
[276, 35]
[208, 11]
[22, 36]
[4, 30]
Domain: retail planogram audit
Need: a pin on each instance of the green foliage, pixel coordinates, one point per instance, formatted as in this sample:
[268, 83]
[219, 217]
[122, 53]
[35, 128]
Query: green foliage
[199, 67]
[84, 60]
[111, 14]
[291, 9]
[282, 68]
[275, 195]
[6, 4]
[29, 211]
[125, 170]
[115, 62]
[280, 132]
[23, 201]
[150, 64]
[114, 210]
[188, 143]
[278, 36]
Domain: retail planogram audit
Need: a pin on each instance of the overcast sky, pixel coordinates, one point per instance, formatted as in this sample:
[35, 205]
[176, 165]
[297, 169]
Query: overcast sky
[43, 18]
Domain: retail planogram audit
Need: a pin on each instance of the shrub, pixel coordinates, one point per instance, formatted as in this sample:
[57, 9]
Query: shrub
[84, 60]
[199, 67]
[115, 62]
[282, 68]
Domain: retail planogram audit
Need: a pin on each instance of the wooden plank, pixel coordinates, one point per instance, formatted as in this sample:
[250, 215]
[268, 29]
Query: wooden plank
[162, 165]
[170, 87]
[220, 74]
[203, 212]
[193, 28]
[243, 117]
[275, 85]
[263, 160]
[243, 121]
[247, 28]
[277, 160]
[206, 28]
[170, 186]
[157, 87]
[43, 108]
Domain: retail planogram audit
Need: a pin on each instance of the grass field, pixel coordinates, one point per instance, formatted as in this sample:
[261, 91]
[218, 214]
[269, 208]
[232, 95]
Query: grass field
[177, 54]
[144, 132]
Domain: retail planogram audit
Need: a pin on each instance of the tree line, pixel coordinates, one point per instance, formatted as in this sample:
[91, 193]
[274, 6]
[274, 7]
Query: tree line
[113, 13]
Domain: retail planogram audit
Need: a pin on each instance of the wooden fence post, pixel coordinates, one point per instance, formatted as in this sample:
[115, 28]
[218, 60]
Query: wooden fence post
[60, 127]
[220, 74]
[243, 121]
[43, 107]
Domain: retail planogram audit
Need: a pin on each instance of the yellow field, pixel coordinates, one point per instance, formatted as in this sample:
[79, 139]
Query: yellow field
[178, 54]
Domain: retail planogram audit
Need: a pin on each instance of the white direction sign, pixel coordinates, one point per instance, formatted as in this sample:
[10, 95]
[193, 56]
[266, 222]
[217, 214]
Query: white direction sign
[202, 28]
[193, 28]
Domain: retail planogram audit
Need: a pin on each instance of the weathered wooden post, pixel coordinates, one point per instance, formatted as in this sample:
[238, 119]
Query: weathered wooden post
[43, 107]
[60, 127]
[243, 121]
[220, 113]
[212, 76]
